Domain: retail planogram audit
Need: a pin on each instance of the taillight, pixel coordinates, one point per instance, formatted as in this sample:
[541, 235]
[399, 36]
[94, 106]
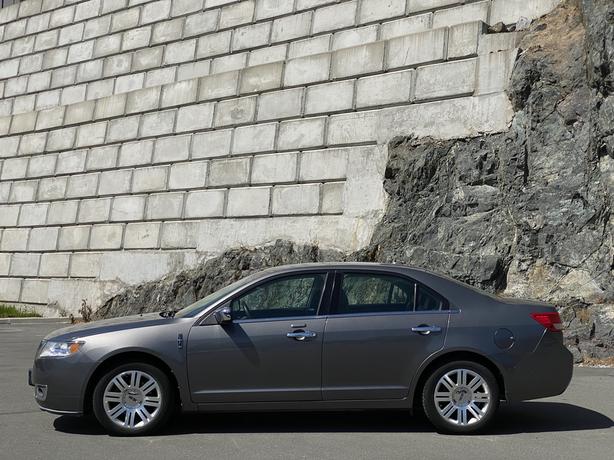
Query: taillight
[551, 321]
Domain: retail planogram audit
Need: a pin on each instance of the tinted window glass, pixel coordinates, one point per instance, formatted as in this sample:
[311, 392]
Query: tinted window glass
[283, 297]
[202, 304]
[366, 293]
[427, 300]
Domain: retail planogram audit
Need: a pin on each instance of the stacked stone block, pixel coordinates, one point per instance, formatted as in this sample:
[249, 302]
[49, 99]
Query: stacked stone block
[140, 137]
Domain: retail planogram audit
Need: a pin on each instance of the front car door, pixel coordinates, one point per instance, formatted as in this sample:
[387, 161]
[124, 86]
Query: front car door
[272, 349]
[381, 327]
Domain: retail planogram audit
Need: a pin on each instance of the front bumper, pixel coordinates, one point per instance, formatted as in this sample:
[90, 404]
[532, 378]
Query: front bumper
[59, 384]
[40, 391]
[59, 412]
[40, 394]
[545, 372]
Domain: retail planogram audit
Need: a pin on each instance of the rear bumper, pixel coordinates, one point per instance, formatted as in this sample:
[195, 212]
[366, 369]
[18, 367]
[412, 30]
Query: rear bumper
[545, 372]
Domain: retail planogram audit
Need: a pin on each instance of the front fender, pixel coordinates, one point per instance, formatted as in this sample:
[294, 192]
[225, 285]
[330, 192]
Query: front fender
[158, 344]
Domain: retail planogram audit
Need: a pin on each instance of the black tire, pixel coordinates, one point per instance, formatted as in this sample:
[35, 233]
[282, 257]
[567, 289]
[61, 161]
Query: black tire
[166, 405]
[445, 425]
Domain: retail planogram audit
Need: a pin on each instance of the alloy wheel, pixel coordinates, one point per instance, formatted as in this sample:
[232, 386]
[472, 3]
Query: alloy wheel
[462, 397]
[132, 399]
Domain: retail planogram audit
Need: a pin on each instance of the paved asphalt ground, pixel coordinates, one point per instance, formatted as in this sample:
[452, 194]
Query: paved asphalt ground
[575, 425]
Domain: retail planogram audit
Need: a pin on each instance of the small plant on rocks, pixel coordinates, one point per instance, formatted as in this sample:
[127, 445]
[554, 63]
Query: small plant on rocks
[85, 311]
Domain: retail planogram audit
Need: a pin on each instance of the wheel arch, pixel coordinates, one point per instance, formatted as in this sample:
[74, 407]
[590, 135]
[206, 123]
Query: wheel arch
[123, 357]
[446, 357]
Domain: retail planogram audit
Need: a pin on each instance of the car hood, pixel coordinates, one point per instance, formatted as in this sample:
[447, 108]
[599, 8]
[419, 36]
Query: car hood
[108, 325]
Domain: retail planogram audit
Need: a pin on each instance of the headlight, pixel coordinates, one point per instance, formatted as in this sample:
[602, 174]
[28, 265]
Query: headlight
[60, 349]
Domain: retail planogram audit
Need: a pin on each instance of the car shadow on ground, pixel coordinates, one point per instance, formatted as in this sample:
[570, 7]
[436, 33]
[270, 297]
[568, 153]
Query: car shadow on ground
[529, 417]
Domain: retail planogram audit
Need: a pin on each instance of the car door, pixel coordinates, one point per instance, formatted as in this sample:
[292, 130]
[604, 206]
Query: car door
[381, 327]
[272, 349]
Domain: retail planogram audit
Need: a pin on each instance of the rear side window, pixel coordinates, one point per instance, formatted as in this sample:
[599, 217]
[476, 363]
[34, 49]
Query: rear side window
[379, 293]
[427, 300]
[365, 293]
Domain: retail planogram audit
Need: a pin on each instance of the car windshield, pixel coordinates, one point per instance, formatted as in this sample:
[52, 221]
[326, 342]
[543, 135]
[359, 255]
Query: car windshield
[193, 310]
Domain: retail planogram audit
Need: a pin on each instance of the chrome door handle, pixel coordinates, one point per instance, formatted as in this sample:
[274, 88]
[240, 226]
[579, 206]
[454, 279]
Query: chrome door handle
[301, 335]
[426, 330]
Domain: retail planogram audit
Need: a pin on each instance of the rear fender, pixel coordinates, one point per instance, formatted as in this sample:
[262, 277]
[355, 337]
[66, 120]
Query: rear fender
[442, 357]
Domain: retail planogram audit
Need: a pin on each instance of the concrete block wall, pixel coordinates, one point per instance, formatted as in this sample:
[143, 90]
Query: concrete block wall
[141, 137]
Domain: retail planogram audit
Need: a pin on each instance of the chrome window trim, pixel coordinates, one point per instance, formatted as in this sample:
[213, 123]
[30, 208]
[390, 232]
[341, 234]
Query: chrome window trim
[348, 315]
[397, 313]
[277, 319]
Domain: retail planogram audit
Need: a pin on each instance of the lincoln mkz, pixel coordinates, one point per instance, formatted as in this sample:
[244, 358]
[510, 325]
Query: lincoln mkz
[313, 337]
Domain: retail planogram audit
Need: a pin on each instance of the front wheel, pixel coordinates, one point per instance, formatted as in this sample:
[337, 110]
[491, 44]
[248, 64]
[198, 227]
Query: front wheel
[461, 397]
[133, 399]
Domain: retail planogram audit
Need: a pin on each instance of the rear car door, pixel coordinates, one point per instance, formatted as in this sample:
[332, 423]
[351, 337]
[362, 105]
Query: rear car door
[381, 327]
[272, 349]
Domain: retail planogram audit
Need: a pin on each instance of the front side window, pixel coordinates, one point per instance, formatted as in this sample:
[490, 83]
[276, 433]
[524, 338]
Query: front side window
[290, 296]
[381, 293]
[202, 304]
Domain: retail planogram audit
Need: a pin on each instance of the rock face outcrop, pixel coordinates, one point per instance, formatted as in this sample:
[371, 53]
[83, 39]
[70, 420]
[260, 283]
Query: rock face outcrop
[179, 290]
[525, 213]
[528, 212]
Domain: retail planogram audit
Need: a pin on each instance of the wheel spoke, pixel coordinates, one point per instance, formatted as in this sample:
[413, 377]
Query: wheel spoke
[133, 378]
[447, 382]
[116, 411]
[481, 397]
[462, 377]
[111, 396]
[130, 419]
[476, 411]
[462, 416]
[144, 415]
[148, 386]
[475, 383]
[448, 410]
[119, 383]
[442, 396]
[152, 401]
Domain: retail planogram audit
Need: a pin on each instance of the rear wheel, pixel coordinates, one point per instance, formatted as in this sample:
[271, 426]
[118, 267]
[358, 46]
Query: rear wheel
[133, 399]
[461, 397]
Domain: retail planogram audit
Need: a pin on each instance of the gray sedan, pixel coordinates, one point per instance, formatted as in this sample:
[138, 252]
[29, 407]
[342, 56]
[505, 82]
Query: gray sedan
[311, 337]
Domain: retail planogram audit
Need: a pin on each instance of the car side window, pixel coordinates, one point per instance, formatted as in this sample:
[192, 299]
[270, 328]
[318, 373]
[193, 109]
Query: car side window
[297, 295]
[374, 293]
[427, 300]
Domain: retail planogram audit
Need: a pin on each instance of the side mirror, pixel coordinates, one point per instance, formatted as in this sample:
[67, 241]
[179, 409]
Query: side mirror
[223, 315]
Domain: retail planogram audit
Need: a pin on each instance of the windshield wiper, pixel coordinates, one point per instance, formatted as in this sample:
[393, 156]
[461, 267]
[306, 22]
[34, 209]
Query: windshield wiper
[168, 313]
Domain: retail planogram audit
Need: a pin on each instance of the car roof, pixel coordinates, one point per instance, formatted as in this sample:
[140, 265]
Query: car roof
[347, 266]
